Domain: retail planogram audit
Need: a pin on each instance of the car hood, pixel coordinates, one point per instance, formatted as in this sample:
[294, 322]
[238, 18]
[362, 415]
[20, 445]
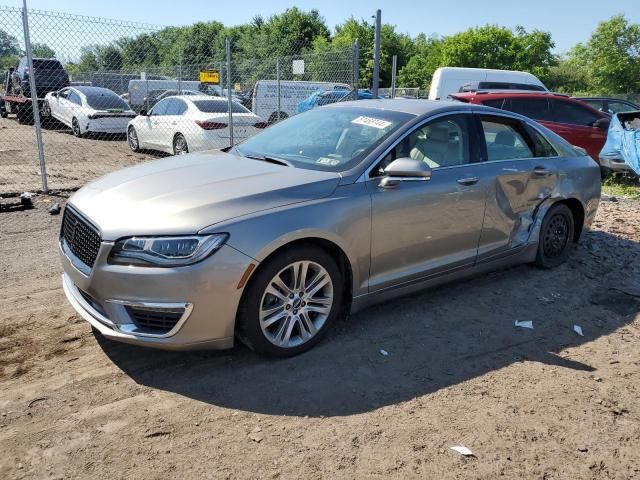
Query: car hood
[184, 194]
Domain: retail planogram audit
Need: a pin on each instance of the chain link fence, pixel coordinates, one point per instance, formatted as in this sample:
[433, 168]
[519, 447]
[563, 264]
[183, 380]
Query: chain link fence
[112, 94]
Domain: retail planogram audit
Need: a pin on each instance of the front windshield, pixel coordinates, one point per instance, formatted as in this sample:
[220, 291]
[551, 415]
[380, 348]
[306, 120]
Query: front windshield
[334, 139]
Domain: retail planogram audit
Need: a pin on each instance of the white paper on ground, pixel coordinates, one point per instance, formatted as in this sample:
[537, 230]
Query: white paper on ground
[578, 330]
[462, 450]
[524, 324]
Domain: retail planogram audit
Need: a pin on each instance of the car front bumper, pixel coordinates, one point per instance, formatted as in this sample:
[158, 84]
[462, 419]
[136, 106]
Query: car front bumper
[205, 294]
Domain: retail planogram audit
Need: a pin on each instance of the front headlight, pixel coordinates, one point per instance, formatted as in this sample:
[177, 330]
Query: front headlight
[165, 251]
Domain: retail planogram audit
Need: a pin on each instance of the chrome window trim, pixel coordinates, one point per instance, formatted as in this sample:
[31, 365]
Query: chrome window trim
[364, 177]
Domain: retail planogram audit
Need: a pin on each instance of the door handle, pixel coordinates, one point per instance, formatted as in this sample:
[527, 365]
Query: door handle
[468, 181]
[541, 171]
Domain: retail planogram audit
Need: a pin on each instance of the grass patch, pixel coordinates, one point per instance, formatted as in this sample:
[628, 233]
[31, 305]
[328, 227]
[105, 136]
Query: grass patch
[622, 186]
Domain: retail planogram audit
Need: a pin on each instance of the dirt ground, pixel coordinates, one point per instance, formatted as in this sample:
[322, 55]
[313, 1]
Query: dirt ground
[545, 403]
[71, 162]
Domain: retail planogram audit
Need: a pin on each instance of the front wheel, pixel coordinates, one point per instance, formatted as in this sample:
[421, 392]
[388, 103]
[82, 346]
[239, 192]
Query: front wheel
[556, 235]
[75, 126]
[132, 139]
[180, 146]
[290, 302]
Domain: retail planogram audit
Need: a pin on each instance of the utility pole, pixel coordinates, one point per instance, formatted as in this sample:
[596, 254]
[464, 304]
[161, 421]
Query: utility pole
[394, 66]
[376, 53]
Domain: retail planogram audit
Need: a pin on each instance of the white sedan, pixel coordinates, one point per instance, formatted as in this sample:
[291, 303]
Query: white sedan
[88, 109]
[183, 124]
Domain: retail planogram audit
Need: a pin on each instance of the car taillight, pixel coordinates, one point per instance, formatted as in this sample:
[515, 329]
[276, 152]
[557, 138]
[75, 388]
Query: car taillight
[261, 125]
[210, 125]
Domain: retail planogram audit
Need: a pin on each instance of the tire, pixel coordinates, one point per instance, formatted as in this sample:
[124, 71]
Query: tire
[132, 139]
[3, 110]
[306, 316]
[75, 128]
[180, 146]
[46, 110]
[556, 236]
[22, 115]
[273, 118]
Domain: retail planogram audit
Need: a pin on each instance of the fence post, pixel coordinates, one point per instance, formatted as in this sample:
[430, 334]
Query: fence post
[278, 81]
[230, 101]
[34, 97]
[356, 66]
[394, 66]
[376, 53]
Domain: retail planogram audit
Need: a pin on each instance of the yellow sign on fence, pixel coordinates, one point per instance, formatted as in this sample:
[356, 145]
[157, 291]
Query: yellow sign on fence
[209, 77]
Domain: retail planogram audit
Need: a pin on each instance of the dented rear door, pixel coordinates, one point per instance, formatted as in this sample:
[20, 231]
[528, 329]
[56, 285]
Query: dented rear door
[521, 182]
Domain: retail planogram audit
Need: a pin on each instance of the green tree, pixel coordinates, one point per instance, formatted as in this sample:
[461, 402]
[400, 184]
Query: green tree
[420, 67]
[9, 50]
[109, 58]
[391, 43]
[497, 47]
[612, 57]
[40, 50]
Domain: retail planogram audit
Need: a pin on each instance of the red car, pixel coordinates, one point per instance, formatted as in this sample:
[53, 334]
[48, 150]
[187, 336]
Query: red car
[575, 121]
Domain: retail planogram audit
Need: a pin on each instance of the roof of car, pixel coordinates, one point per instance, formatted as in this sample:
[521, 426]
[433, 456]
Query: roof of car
[406, 105]
[86, 90]
[505, 93]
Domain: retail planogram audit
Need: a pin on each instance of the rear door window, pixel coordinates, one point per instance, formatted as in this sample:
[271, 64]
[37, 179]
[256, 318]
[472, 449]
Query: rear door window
[534, 108]
[176, 107]
[573, 113]
[505, 139]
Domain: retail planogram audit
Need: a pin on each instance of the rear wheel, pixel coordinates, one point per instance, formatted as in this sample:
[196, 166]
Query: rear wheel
[290, 302]
[180, 146]
[132, 139]
[556, 235]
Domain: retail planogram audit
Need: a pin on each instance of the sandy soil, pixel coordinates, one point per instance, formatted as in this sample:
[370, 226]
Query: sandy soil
[70, 161]
[543, 403]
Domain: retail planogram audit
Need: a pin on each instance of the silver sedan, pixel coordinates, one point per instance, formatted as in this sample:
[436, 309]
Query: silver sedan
[327, 212]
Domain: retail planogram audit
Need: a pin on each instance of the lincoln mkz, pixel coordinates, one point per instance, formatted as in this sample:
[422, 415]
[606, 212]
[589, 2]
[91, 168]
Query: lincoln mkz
[323, 214]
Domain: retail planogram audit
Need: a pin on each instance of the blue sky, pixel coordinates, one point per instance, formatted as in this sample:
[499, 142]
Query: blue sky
[570, 21]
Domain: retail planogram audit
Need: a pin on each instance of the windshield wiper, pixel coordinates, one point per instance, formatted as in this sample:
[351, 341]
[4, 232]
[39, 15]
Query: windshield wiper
[264, 158]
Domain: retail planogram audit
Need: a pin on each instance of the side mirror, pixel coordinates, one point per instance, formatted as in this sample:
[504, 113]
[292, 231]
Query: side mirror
[405, 169]
[602, 124]
[55, 94]
[144, 112]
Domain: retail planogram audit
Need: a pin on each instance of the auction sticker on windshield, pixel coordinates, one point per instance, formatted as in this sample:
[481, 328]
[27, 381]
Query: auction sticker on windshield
[371, 122]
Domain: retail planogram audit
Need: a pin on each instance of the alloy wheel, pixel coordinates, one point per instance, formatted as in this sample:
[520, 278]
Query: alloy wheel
[133, 139]
[296, 304]
[76, 127]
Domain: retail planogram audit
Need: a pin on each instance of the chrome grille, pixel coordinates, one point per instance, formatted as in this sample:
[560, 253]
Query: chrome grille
[81, 237]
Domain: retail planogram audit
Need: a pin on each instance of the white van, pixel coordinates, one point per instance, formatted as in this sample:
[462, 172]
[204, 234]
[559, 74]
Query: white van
[448, 80]
[264, 102]
[139, 89]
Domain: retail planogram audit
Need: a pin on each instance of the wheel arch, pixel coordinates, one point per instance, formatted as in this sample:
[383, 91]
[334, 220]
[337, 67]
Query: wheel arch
[330, 247]
[578, 212]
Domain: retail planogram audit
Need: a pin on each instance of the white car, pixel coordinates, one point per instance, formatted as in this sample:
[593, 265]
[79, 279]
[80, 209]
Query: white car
[88, 109]
[183, 124]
